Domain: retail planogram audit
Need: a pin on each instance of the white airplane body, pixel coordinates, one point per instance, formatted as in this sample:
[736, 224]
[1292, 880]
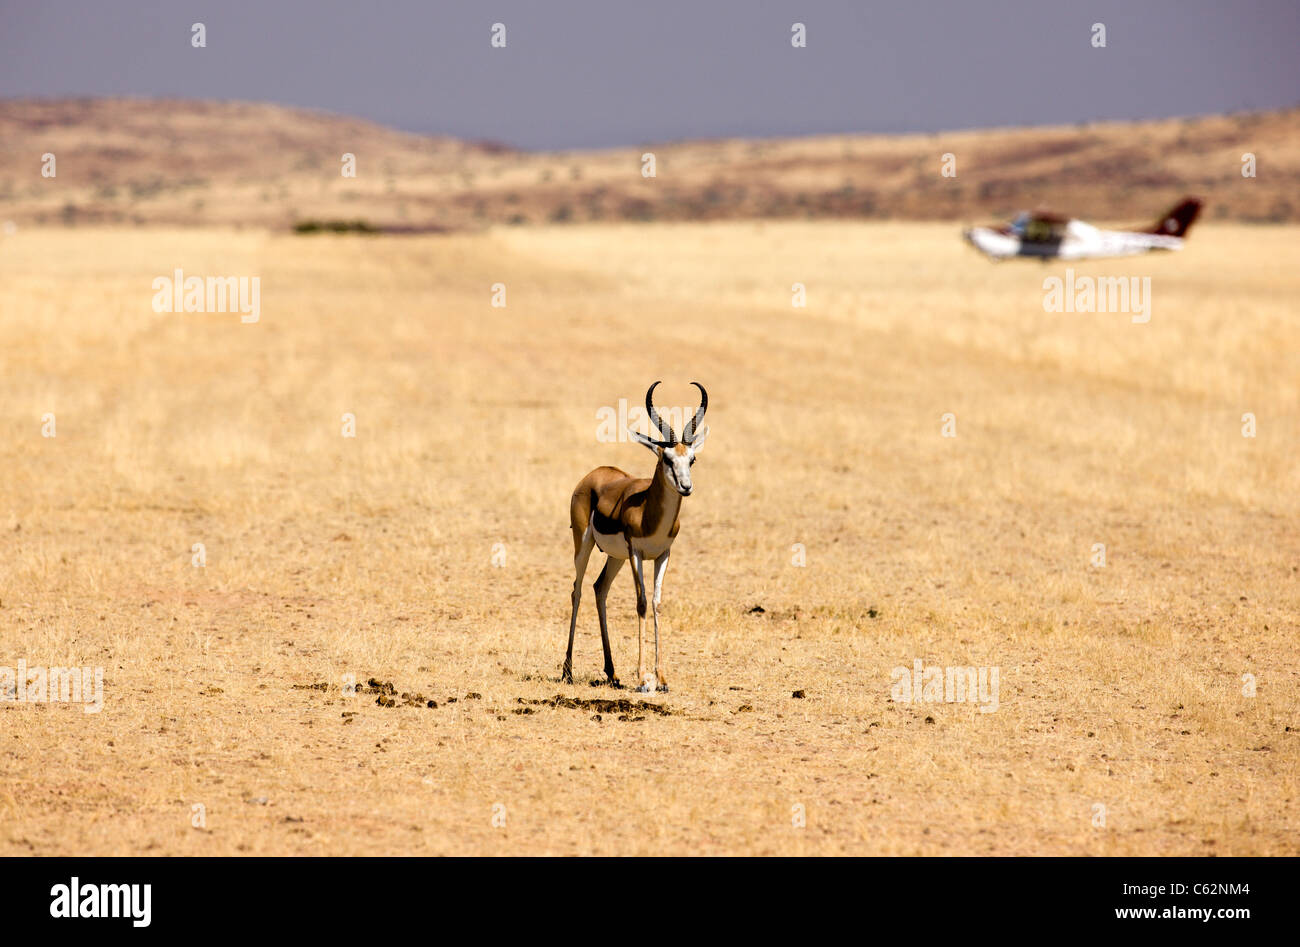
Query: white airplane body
[1047, 236]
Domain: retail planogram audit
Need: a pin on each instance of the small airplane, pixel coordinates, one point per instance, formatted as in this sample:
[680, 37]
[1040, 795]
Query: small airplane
[1048, 236]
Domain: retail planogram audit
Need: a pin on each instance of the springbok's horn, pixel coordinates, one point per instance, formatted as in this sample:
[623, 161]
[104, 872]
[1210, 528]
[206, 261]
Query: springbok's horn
[688, 433]
[667, 437]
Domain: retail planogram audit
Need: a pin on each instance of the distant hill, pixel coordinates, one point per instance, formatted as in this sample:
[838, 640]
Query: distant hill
[200, 163]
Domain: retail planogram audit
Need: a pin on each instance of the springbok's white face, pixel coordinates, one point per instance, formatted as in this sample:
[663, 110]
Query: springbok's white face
[676, 455]
[678, 460]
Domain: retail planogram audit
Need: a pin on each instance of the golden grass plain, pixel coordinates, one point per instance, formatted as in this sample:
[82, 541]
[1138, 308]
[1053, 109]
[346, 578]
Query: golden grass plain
[1120, 686]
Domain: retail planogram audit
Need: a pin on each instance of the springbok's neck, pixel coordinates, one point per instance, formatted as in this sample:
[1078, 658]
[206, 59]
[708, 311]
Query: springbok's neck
[663, 502]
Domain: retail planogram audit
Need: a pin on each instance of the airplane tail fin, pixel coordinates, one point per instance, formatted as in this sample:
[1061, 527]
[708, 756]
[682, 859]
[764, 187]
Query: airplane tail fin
[1179, 219]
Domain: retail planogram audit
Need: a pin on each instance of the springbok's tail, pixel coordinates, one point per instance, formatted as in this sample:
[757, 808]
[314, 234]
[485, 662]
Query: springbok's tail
[580, 507]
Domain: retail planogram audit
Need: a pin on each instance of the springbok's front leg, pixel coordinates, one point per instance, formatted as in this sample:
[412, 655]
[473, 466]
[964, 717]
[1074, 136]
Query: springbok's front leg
[661, 566]
[638, 576]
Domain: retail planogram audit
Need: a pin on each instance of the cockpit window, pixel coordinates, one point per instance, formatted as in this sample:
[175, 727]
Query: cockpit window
[1041, 229]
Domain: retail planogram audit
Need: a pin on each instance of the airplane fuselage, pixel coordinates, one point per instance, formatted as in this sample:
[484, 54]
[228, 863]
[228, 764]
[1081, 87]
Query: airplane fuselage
[1078, 241]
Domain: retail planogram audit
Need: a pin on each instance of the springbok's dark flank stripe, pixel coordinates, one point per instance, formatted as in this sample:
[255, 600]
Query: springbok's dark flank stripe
[606, 525]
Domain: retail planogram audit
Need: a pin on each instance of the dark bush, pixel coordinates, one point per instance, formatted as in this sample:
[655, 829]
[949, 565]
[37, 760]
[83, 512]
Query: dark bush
[333, 226]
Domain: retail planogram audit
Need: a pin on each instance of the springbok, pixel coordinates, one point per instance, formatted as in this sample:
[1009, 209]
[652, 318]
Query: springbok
[633, 519]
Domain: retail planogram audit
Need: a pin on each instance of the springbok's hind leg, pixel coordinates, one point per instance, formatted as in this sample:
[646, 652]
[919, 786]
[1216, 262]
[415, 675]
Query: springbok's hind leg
[580, 569]
[602, 587]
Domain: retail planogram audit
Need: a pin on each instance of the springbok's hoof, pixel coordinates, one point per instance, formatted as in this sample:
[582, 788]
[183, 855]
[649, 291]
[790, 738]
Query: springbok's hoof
[662, 688]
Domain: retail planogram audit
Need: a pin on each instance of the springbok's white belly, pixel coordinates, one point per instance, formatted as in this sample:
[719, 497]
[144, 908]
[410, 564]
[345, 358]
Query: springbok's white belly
[614, 545]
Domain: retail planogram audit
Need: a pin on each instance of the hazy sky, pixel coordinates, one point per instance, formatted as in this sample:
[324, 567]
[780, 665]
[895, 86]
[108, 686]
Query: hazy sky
[577, 74]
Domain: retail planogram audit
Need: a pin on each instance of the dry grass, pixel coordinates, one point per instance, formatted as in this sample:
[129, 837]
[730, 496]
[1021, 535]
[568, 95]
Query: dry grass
[373, 556]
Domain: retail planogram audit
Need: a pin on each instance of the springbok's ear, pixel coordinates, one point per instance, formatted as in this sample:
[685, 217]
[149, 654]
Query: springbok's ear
[643, 440]
[700, 437]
